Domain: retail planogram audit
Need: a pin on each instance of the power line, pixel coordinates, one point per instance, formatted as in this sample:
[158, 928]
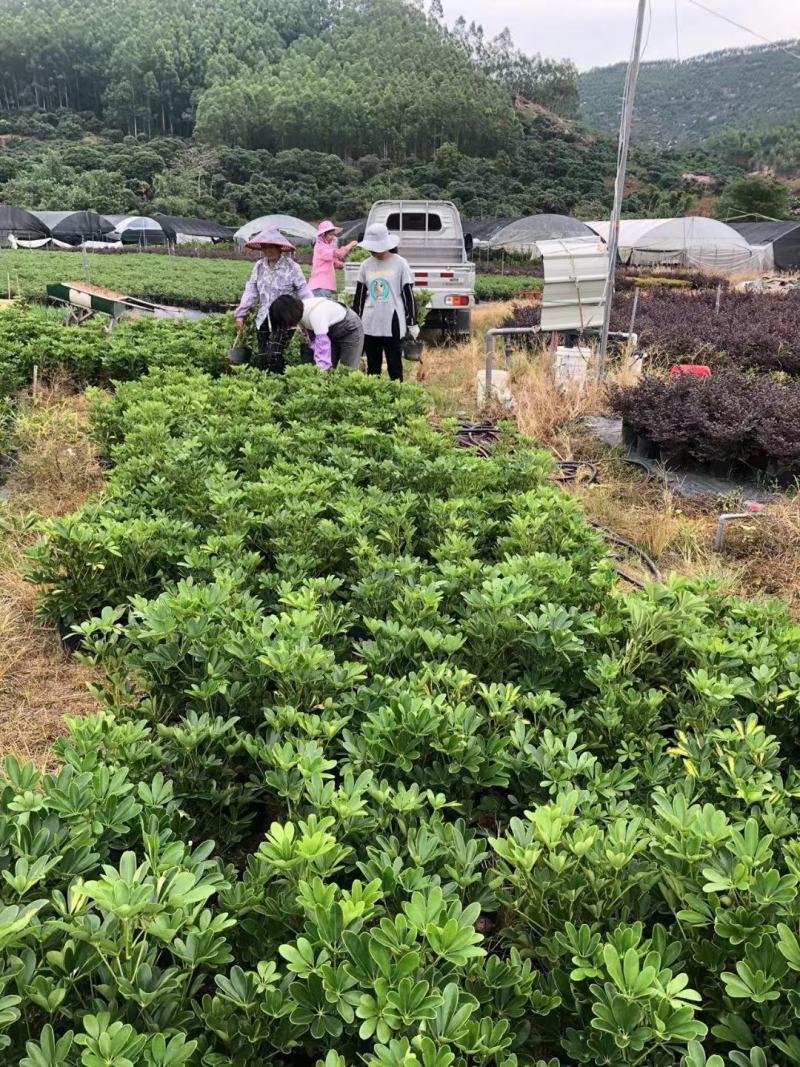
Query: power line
[746, 29]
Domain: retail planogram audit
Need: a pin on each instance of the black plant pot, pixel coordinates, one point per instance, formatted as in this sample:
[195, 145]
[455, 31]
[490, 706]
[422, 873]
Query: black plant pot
[720, 468]
[69, 639]
[673, 455]
[646, 447]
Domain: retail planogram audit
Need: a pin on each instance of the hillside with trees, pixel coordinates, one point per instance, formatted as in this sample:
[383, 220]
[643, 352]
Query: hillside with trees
[148, 65]
[685, 103]
[315, 107]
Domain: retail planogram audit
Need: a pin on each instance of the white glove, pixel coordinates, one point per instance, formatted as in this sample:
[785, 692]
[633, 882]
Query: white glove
[413, 332]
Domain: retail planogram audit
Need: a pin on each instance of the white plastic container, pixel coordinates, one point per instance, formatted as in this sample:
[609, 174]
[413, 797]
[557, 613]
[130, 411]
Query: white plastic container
[571, 365]
[501, 394]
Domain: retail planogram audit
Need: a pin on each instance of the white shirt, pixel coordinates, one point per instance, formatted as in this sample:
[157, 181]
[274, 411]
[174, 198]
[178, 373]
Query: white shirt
[384, 280]
[319, 314]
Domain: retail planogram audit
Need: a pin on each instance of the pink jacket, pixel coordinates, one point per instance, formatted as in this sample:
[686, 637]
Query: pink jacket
[327, 257]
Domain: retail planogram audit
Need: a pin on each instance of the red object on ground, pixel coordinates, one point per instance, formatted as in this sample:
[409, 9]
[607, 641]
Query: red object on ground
[696, 370]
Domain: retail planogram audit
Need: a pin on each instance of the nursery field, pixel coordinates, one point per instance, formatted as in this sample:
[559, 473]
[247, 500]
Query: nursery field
[192, 282]
[171, 279]
[745, 416]
[385, 766]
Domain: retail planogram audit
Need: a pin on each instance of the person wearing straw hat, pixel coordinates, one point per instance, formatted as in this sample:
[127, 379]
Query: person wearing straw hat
[274, 275]
[384, 300]
[327, 259]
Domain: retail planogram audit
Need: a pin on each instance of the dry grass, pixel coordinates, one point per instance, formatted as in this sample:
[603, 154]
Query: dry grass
[767, 550]
[551, 412]
[56, 471]
[56, 467]
[675, 533]
[547, 412]
[760, 557]
[448, 371]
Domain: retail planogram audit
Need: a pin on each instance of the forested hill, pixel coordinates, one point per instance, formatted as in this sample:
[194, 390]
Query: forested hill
[353, 76]
[231, 109]
[685, 103]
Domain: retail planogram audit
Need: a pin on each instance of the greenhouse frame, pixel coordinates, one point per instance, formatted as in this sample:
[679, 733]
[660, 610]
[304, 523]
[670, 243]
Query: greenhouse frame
[685, 242]
[779, 242]
[75, 227]
[523, 235]
[22, 227]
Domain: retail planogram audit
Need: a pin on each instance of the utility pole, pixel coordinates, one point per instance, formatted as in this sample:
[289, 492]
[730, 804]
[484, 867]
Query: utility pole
[619, 185]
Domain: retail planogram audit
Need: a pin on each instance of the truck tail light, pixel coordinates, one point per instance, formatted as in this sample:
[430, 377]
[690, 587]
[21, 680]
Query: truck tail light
[458, 301]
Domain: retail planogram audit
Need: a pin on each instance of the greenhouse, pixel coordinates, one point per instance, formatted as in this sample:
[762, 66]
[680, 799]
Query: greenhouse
[778, 242]
[685, 242]
[523, 235]
[75, 227]
[181, 230]
[295, 229]
[138, 230]
[352, 230]
[483, 230]
[19, 227]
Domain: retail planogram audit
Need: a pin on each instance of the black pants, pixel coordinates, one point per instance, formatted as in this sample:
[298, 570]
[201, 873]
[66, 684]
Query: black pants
[375, 347]
[272, 349]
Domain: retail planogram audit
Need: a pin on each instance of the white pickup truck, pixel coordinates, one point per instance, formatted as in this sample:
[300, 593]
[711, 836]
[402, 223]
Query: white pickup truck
[432, 240]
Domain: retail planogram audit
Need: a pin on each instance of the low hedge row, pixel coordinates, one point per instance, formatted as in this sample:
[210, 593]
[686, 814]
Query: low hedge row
[473, 805]
[732, 420]
[759, 331]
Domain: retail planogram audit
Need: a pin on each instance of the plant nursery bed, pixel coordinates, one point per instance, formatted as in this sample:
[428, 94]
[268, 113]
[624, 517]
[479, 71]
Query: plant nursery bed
[689, 481]
[690, 477]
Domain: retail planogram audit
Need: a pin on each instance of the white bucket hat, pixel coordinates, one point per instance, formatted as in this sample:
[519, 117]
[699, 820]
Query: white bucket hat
[378, 239]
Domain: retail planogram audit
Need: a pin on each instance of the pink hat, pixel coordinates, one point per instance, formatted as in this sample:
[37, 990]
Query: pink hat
[271, 235]
[326, 226]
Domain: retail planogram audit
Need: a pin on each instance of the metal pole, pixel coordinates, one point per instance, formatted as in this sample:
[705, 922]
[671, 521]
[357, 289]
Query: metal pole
[635, 308]
[718, 301]
[619, 185]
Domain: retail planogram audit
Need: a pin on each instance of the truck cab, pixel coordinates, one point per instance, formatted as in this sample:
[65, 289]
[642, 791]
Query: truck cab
[432, 240]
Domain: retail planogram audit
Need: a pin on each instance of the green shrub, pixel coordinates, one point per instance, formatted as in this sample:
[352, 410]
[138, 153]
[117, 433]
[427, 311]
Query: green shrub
[471, 803]
[505, 287]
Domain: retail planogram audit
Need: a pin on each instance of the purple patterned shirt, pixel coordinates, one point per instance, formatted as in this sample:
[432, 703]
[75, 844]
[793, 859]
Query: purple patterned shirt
[268, 283]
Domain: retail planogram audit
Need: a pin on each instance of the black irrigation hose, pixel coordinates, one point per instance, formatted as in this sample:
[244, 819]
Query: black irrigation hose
[629, 578]
[615, 539]
[479, 436]
[571, 468]
[636, 461]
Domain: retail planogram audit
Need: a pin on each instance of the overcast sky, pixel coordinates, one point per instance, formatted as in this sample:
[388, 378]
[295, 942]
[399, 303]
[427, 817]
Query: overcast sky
[596, 32]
